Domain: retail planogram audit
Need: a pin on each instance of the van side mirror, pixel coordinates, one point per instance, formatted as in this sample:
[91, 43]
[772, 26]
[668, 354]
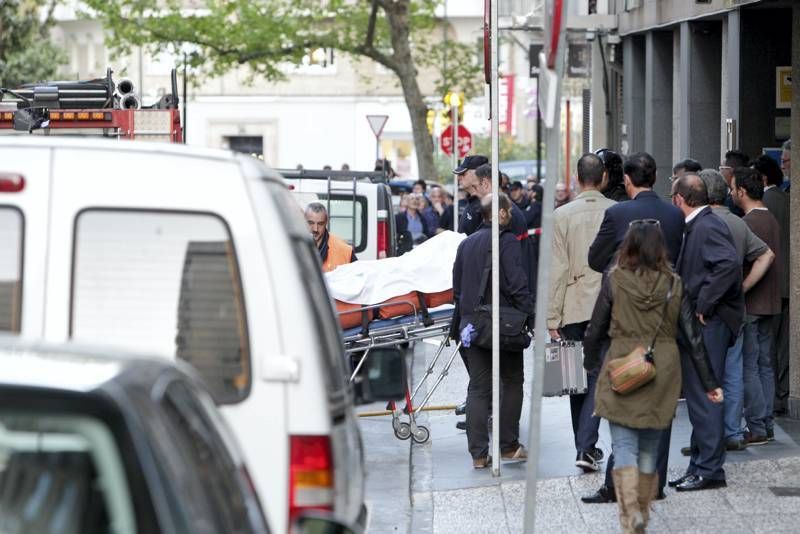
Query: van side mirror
[383, 375]
[318, 523]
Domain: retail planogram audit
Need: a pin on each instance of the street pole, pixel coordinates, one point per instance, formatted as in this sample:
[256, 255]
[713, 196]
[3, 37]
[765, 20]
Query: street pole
[455, 101]
[185, 84]
[538, 137]
[377, 147]
[495, 112]
[543, 285]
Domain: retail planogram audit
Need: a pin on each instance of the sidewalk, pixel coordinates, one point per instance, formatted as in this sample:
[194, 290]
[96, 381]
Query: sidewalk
[449, 496]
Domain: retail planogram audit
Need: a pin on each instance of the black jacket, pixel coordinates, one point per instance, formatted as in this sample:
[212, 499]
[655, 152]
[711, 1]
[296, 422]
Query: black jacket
[532, 211]
[690, 337]
[471, 218]
[468, 268]
[646, 205]
[711, 270]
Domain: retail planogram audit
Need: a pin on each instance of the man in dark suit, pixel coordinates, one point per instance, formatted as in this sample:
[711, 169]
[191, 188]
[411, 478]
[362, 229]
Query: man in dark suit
[777, 202]
[639, 177]
[712, 278]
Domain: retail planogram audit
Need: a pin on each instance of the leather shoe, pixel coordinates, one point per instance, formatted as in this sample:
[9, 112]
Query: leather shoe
[696, 483]
[461, 425]
[601, 496]
[680, 480]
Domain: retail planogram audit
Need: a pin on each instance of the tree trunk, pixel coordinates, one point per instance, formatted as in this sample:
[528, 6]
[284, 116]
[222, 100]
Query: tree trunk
[403, 66]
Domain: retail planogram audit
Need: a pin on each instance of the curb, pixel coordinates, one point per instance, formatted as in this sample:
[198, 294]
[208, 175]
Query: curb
[420, 459]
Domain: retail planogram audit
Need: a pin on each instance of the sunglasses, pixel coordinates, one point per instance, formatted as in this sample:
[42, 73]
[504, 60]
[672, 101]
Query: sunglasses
[644, 222]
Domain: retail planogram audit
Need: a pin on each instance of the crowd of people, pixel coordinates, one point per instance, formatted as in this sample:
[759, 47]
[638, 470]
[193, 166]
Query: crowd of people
[699, 283]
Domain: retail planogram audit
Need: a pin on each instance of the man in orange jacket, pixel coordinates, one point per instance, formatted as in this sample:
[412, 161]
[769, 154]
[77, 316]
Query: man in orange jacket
[332, 251]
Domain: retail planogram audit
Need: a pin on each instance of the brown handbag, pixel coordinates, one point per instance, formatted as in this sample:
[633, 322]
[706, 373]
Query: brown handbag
[637, 368]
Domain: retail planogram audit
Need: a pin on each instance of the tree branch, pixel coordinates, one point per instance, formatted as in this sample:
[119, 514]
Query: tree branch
[371, 26]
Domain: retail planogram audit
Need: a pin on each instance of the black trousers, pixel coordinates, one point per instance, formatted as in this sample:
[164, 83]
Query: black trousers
[584, 425]
[479, 399]
[780, 353]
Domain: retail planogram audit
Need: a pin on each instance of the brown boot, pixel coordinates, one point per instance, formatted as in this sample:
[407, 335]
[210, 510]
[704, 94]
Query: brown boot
[648, 487]
[626, 484]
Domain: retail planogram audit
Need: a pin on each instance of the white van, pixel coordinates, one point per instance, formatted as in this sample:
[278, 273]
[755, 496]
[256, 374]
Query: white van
[359, 205]
[197, 254]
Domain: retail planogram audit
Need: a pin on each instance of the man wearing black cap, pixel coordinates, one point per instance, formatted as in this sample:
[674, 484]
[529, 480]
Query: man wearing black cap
[471, 219]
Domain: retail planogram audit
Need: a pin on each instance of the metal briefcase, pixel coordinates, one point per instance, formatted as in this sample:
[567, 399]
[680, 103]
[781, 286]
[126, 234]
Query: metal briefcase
[563, 369]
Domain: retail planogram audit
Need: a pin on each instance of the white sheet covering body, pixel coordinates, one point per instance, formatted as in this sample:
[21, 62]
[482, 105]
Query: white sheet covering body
[427, 268]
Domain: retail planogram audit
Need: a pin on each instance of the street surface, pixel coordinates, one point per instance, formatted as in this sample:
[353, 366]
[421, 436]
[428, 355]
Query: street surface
[432, 487]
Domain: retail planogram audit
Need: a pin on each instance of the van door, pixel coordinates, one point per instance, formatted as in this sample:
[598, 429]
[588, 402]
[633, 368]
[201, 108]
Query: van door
[24, 219]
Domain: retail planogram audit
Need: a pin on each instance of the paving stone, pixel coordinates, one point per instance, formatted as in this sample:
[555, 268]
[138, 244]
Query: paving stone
[469, 510]
[761, 501]
[693, 504]
[773, 523]
[586, 484]
[708, 525]
[761, 473]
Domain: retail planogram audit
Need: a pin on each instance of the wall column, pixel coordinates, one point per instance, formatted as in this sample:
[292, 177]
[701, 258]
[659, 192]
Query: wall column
[699, 128]
[731, 76]
[794, 281]
[658, 105]
[633, 62]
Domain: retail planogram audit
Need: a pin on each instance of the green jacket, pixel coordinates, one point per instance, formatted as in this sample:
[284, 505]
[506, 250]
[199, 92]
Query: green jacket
[628, 311]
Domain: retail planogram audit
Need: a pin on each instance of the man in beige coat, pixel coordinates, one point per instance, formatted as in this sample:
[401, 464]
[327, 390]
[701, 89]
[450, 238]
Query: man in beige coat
[574, 287]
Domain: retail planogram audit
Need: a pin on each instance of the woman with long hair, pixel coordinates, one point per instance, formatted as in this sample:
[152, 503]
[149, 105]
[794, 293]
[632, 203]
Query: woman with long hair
[642, 300]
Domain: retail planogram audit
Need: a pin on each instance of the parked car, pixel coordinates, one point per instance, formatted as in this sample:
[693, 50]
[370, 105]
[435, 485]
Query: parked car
[521, 169]
[359, 204]
[199, 255]
[96, 441]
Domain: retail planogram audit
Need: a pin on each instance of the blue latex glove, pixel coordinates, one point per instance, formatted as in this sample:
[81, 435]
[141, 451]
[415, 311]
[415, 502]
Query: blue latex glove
[466, 335]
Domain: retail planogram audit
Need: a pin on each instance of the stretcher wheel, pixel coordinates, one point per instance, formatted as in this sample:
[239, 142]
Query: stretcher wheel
[422, 434]
[402, 431]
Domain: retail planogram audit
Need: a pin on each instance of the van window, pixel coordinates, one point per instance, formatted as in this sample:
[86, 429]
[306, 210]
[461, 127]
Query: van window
[11, 230]
[166, 283]
[341, 218]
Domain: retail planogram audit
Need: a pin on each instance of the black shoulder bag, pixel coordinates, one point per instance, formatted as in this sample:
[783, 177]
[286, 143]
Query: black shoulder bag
[513, 323]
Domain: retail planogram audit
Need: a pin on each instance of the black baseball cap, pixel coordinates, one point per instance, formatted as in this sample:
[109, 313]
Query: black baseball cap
[517, 185]
[470, 162]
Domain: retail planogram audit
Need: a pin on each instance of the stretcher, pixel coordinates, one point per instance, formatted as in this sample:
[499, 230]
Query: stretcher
[420, 324]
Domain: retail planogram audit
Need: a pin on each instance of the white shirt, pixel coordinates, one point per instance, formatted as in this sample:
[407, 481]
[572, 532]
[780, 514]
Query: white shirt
[767, 188]
[694, 213]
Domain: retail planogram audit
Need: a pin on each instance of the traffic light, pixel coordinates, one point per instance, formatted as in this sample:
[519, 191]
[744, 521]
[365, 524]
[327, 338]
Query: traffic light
[430, 119]
[453, 99]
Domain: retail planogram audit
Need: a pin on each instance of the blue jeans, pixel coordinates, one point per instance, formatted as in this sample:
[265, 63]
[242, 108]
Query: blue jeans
[636, 447]
[733, 389]
[759, 377]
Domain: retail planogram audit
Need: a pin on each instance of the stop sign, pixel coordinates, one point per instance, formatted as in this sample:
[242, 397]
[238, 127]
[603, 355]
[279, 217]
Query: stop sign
[464, 141]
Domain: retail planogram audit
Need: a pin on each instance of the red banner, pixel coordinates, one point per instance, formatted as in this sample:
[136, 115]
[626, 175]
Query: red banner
[506, 104]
